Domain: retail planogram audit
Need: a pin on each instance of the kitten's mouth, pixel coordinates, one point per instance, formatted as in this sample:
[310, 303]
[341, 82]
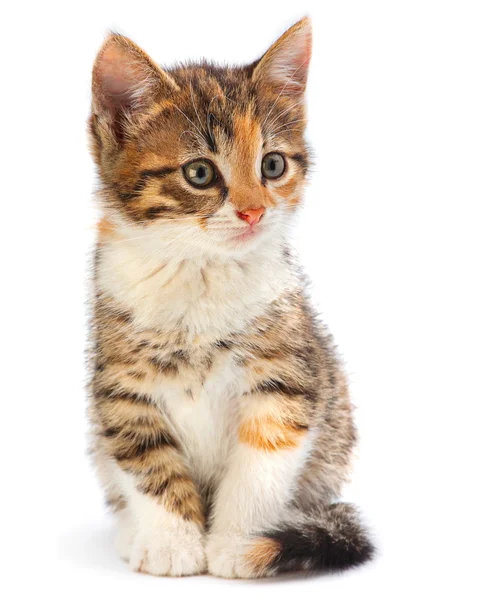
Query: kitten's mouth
[247, 234]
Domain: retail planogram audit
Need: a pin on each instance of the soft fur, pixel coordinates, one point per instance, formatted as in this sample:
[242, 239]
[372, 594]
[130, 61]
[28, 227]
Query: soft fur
[222, 427]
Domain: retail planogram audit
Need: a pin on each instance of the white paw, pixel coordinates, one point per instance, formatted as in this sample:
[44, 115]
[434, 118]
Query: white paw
[168, 552]
[226, 556]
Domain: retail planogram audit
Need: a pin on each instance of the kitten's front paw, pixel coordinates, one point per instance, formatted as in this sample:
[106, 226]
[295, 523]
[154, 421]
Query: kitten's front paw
[240, 557]
[177, 553]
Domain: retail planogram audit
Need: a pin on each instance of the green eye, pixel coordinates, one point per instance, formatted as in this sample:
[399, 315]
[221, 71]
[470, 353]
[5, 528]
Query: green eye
[273, 165]
[200, 173]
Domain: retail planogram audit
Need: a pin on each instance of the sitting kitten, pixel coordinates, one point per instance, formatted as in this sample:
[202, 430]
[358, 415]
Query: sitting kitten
[221, 419]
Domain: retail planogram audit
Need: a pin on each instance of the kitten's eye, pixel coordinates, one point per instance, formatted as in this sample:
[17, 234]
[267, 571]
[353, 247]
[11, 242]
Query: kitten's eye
[273, 165]
[200, 173]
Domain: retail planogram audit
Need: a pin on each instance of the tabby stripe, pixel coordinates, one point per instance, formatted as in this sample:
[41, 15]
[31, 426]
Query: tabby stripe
[174, 190]
[158, 488]
[137, 449]
[141, 182]
[165, 366]
[155, 211]
[302, 160]
[127, 196]
[224, 344]
[274, 385]
[161, 173]
[113, 394]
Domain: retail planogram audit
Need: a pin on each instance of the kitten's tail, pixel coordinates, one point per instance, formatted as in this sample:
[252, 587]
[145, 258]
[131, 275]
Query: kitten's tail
[332, 540]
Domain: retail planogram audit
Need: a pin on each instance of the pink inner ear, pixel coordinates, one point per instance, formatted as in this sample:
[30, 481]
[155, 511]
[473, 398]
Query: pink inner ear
[298, 69]
[119, 78]
[286, 63]
[293, 61]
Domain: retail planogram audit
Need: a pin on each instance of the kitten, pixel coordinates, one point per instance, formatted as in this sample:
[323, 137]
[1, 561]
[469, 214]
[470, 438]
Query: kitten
[222, 427]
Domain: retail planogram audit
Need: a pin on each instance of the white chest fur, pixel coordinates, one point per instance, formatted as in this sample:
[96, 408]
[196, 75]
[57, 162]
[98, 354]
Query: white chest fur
[206, 295]
[207, 298]
[203, 417]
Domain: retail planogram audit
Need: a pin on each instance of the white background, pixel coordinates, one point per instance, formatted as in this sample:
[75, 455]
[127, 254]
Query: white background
[394, 237]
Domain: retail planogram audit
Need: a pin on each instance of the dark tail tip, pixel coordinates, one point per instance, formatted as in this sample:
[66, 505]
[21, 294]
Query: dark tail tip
[333, 541]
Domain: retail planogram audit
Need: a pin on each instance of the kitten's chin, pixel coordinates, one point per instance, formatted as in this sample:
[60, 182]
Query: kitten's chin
[242, 241]
[245, 236]
[233, 245]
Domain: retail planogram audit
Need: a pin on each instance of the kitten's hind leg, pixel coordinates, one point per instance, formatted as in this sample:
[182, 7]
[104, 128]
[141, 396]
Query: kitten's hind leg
[253, 532]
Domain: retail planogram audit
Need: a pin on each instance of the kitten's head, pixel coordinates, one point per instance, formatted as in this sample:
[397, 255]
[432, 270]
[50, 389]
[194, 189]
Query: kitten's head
[201, 158]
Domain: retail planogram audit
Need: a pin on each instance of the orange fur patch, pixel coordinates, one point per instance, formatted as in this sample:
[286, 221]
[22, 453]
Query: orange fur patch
[105, 227]
[202, 222]
[269, 434]
[289, 186]
[262, 555]
[294, 201]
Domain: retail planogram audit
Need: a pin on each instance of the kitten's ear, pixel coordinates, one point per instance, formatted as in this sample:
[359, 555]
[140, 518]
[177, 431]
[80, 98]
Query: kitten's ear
[285, 64]
[126, 81]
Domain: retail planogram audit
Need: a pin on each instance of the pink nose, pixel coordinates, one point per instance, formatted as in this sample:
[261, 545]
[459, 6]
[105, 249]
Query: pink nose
[251, 215]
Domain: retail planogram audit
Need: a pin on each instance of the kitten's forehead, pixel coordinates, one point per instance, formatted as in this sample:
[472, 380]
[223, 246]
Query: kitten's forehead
[219, 108]
[216, 99]
[233, 84]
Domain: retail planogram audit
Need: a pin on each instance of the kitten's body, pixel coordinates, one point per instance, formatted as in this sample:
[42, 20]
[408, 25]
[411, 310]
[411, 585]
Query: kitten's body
[222, 425]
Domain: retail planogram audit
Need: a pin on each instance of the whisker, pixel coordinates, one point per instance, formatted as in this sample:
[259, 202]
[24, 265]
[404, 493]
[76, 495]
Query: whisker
[124, 240]
[195, 109]
[282, 127]
[191, 133]
[284, 112]
[279, 131]
[191, 122]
